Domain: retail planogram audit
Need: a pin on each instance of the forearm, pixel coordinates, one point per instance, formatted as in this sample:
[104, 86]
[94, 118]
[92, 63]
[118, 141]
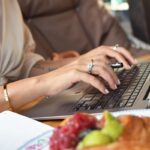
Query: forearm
[22, 92]
[46, 66]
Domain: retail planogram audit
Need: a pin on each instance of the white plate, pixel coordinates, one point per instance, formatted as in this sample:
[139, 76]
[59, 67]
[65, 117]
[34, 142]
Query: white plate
[136, 112]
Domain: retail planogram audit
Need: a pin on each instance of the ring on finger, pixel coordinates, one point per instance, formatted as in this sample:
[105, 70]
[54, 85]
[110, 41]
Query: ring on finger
[116, 47]
[90, 66]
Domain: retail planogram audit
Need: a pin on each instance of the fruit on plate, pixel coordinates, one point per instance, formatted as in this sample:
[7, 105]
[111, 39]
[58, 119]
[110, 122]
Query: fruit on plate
[110, 131]
[94, 138]
[85, 132]
[65, 136]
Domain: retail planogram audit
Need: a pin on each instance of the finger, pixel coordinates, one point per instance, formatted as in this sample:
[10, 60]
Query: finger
[127, 55]
[92, 80]
[104, 73]
[83, 66]
[118, 56]
[106, 65]
[103, 70]
[103, 59]
[114, 75]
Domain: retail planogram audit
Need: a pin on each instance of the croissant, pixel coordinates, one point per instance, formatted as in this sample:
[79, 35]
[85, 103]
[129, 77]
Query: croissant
[136, 135]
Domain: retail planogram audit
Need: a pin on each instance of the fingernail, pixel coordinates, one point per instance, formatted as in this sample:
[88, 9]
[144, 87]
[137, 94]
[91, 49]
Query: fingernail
[106, 91]
[135, 61]
[115, 86]
[119, 82]
[128, 67]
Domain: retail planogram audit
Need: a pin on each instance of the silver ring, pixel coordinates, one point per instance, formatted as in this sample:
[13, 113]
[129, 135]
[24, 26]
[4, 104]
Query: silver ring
[90, 66]
[116, 47]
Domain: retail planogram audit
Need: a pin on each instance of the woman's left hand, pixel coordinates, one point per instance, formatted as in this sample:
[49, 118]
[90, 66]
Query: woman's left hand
[102, 57]
[78, 70]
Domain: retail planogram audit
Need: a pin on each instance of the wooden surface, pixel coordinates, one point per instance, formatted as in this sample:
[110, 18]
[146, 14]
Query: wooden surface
[53, 123]
[144, 58]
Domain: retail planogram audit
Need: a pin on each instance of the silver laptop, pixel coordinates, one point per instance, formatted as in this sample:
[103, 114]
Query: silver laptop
[133, 93]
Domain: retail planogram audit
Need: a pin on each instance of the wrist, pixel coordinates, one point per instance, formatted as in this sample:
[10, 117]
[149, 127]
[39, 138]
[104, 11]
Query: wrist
[4, 99]
[42, 84]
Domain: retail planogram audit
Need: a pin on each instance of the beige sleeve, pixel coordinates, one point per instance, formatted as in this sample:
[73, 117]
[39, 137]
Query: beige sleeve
[30, 59]
[17, 46]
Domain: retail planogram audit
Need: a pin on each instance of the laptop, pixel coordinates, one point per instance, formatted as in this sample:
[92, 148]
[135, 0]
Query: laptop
[133, 93]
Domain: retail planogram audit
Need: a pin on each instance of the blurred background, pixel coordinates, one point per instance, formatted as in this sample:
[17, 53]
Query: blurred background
[133, 15]
[59, 26]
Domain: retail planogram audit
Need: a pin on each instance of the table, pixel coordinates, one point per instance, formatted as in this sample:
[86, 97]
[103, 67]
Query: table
[144, 58]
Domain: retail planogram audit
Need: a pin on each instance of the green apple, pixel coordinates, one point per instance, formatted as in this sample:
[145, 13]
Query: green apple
[110, 132]
[94, 138]
[112, 127]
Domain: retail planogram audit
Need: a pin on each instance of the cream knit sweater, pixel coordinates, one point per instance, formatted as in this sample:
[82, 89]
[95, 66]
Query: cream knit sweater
[16, 44]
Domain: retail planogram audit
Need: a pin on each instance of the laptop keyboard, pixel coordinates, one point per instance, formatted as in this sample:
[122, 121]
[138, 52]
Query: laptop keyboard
[131, 83]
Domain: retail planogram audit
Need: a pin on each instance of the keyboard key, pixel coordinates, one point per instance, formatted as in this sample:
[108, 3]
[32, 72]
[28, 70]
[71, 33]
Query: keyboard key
[129, 104]
[122, 104]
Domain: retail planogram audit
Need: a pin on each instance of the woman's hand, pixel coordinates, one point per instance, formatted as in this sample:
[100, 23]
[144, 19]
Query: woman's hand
[56, 81]
[76, 71]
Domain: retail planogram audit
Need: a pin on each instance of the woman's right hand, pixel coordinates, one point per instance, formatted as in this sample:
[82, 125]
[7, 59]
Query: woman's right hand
[76, 71]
